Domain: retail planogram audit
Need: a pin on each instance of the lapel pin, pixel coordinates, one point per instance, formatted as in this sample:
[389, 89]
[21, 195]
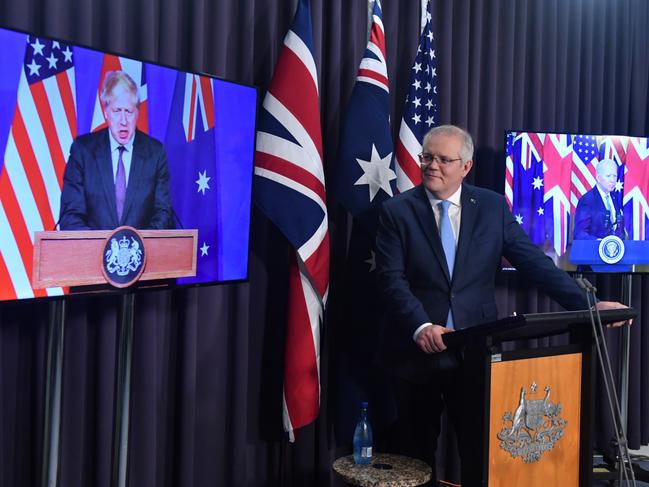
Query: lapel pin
[472, 200]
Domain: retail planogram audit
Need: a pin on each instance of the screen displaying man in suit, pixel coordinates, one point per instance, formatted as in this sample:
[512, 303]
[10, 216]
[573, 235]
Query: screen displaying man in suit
[438, 251]
[598, 215]
[118, 175]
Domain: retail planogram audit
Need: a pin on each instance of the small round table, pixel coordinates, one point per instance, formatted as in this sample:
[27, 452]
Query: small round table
[386, 470]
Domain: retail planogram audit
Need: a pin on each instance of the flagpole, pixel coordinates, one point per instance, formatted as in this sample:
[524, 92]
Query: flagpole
[54, 373]
[123, 392]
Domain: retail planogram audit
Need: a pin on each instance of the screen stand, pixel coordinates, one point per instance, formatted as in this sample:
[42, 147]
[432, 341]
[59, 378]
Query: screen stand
[123, 392]
[54, 374]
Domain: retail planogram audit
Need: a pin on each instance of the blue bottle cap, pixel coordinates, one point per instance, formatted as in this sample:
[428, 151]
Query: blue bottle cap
[364, 404]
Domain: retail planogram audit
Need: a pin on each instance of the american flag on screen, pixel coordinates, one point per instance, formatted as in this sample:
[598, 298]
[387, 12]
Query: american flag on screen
[137, 71]
[584, 164]
[289, 187]
[43, 128]
[421, 109]
[636, 188]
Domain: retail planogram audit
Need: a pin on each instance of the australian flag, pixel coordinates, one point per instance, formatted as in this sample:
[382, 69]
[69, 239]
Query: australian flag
[364, 178]
[528, 208]
[210, 188]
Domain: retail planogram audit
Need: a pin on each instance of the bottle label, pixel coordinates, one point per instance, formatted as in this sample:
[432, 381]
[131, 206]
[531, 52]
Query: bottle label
[366, 452]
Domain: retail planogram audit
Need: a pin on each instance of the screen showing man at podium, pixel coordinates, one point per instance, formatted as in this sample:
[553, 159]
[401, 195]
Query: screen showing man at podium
[100, 141]
[118, 157]
[599, 211]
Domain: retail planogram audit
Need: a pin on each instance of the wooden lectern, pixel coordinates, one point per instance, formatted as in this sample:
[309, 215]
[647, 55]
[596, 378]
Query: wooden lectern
[74, 258]
[532, 408]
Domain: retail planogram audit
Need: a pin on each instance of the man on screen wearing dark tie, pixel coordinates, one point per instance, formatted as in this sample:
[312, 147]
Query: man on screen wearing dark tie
[598, 215]
[438, 251]
[118, 175]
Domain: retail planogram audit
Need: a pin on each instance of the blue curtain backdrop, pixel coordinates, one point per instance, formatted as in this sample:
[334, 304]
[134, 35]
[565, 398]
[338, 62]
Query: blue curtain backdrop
[207, 362]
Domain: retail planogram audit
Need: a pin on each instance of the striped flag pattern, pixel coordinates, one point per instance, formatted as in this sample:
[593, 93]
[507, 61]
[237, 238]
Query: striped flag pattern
[421, 109]
[584, 164]
[289, 187]
[636, 188]
[43, 128]
[198, 105]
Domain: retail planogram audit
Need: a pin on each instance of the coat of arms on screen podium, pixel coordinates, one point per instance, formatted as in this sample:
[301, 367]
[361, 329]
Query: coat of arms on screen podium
[534, 428]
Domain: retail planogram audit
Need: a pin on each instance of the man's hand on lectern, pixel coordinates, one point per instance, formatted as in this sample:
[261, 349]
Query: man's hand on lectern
[602, 305]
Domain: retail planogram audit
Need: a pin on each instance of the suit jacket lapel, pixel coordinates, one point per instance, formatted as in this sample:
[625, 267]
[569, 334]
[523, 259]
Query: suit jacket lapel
[105, 163]
[426, 217]
[467, 224]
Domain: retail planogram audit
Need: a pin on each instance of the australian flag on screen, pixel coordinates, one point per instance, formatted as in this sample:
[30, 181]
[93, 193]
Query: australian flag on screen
[528, 208]
[190, 145]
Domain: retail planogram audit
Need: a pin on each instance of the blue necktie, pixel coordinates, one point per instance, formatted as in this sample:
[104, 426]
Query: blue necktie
[448, 243]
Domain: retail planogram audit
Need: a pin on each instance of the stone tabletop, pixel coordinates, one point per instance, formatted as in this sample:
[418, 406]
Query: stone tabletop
[386, 470]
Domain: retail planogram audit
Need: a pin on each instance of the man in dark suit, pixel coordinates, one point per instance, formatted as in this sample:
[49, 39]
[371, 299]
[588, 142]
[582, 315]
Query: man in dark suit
[118, 175]
[438, 250]
[597, 215]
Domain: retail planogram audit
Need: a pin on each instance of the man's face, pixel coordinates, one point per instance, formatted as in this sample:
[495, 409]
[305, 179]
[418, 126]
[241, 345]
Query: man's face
[442, 180]
[121, 115]
[606, 178]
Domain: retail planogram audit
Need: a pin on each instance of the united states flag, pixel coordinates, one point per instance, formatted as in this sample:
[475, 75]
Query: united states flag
[42, 130]
[420, 111]
[584, 164]
[636, 188]
[137, 71]
[290, 190]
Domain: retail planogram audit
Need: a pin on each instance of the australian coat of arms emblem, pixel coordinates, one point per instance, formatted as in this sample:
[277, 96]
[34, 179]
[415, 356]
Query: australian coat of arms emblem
[534, 428]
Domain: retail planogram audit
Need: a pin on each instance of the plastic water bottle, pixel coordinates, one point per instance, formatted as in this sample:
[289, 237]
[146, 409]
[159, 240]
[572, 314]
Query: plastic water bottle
[363, 438]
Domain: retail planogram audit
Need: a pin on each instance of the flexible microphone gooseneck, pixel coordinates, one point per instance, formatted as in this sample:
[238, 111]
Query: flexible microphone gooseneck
[626, 467]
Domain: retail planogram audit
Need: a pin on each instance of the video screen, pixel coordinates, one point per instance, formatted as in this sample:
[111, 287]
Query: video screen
[581, 198]
[92, 141]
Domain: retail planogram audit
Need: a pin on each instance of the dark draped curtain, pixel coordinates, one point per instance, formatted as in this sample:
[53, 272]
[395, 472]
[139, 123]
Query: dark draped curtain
[207, 362]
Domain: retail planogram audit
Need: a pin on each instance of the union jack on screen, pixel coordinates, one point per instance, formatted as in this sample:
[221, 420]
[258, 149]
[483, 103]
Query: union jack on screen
[421, 109]
[42, 129]
[289, 187]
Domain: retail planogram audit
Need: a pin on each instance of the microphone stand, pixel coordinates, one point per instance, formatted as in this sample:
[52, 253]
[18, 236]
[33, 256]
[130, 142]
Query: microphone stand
[626, 467]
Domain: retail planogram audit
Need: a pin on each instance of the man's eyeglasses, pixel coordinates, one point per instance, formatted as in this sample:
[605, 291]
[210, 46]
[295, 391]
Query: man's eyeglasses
[427, 159]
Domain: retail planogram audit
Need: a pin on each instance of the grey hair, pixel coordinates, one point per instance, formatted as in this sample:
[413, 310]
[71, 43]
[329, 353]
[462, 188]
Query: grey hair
[113, 80]
[605, 162]
[466, 151]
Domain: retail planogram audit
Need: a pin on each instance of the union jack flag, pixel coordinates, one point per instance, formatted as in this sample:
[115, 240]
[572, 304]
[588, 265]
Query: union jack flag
[43, 127]
[136, 70]
[636, 188]
[290, 190]
[421, 108]
[557, 158]
[199, 102]
[584, 164]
